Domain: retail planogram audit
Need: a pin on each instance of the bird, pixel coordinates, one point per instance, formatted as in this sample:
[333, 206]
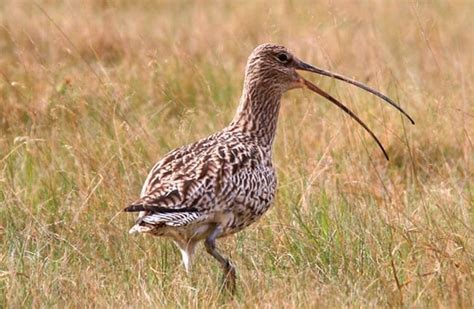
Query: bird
[223, 183]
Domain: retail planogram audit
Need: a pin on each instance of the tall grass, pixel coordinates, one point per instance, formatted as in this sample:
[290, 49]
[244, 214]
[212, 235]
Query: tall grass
[92, 93]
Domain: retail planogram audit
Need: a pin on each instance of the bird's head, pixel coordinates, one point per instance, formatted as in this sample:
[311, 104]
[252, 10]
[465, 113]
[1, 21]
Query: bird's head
[274, 69]
[272, 66]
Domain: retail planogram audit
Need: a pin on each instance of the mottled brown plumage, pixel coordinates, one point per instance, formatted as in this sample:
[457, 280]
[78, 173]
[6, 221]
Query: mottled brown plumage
[225, 182]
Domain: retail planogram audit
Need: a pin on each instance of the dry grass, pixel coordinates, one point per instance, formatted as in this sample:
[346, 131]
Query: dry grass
[95, 93]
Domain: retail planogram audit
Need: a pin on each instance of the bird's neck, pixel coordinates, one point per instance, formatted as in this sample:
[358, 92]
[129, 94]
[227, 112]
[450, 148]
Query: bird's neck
[258, 111]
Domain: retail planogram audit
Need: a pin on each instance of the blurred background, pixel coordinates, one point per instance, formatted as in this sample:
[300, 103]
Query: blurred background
[92, 93]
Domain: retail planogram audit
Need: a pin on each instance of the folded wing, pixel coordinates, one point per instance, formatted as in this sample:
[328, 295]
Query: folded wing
[189, 184]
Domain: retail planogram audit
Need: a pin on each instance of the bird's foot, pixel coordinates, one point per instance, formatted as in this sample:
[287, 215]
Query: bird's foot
[229, 278]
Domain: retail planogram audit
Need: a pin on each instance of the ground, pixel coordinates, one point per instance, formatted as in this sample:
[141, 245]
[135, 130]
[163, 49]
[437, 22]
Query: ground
[94, 92]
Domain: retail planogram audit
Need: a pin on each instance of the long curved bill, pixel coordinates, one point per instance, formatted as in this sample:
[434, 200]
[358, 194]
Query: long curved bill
[307, 67]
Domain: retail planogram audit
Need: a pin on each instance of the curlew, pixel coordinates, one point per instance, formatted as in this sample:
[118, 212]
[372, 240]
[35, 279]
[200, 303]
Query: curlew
[223, 183]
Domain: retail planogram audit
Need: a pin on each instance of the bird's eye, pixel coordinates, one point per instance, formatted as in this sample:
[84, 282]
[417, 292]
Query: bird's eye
[283, 58]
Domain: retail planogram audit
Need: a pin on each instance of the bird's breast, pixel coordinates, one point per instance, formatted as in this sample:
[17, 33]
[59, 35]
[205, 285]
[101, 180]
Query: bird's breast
[255, 194]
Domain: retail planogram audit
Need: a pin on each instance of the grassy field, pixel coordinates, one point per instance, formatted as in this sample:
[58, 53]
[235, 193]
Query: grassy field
[92, 93]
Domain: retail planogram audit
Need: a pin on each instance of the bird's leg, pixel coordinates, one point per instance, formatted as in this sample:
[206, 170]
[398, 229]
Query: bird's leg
[187, 253]
[229, 270]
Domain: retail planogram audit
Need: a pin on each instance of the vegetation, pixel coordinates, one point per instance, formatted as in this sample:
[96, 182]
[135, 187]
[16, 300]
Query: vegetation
[92, 93]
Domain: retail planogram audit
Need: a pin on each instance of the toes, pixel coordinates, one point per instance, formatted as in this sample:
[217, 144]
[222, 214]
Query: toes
[229, 277]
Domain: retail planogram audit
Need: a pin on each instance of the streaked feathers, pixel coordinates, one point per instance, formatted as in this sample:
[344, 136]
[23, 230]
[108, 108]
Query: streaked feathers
[220, 184]
[171, 219]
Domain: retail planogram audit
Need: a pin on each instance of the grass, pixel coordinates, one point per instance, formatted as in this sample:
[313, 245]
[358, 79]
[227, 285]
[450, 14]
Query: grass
[92, 93]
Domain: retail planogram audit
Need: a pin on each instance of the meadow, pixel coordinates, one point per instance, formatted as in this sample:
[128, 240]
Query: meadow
[92, 93]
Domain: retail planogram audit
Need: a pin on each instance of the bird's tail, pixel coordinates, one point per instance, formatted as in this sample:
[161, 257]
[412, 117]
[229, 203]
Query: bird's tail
[137, 228]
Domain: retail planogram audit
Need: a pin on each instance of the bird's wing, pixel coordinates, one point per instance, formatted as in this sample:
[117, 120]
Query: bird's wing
[191, 182]
[177, 161]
